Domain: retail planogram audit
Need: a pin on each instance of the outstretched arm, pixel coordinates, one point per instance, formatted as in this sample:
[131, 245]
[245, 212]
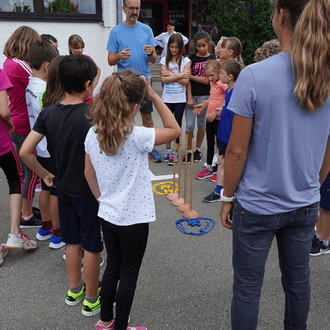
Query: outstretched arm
[171, 128]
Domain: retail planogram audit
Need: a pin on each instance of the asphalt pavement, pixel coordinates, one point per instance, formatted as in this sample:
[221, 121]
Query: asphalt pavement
[185, 281]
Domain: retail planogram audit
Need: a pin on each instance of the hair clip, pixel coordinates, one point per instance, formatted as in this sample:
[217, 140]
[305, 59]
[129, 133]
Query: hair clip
[120, 78]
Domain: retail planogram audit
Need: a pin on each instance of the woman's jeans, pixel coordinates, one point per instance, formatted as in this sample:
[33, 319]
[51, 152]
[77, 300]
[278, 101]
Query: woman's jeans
[252, 238]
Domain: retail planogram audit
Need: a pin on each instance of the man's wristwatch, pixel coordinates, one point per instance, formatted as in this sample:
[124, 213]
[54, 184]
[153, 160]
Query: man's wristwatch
[226, 199]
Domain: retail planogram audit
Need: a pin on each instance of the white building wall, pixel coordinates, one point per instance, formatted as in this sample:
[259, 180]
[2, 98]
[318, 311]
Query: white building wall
[95, 35]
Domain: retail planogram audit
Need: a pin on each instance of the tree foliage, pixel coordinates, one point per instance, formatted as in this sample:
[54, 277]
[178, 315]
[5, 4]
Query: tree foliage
[249, 21]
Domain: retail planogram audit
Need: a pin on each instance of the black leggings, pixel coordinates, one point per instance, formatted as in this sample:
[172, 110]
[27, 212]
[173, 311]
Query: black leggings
[211, 134]
[9, 163]
[125, 247]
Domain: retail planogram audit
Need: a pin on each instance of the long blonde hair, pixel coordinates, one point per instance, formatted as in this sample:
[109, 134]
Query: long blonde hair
[112, 109]
[309, 49]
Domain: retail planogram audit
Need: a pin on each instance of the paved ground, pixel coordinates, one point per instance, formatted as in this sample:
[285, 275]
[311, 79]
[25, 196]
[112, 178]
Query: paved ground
[185, 281]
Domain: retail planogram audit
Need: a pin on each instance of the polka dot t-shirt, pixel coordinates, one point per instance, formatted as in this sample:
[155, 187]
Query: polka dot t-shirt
[124, 180]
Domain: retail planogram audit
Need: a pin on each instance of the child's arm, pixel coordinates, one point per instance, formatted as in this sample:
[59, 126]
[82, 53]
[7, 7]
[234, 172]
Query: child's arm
[90, 176]
[184, 80]
[216, 113]
[168, 76]
[190, 101]
[171, 128]
[5, 112]
[26, 153]
[200, 80]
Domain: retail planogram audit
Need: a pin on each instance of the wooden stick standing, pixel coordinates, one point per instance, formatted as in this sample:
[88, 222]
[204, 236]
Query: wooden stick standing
[185, 207]
[173, 195]
[191, 214]
[179, 201]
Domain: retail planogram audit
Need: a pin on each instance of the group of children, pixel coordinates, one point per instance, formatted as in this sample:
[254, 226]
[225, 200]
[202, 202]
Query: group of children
[200, 86]
[92, 159]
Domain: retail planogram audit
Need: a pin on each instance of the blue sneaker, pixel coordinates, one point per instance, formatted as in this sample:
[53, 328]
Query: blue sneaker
[155, 156]
[56, 242]
[167, 155]
[171, 161]
[44, 235]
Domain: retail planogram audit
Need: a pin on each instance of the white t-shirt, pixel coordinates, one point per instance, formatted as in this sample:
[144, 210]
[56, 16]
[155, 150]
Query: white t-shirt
[174, 92]
[124, 179]
[32, 94]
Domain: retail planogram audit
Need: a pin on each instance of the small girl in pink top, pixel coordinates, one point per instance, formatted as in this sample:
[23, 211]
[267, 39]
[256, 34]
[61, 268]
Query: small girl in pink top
[9, 163]
[18, 71]
[214, 105]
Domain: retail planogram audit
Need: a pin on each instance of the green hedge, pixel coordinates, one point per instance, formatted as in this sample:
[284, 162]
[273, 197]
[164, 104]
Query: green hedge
[249, 21]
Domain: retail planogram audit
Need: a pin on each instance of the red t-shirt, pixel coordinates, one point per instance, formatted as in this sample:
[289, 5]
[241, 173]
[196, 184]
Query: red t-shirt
[18, 72]
[6, 144]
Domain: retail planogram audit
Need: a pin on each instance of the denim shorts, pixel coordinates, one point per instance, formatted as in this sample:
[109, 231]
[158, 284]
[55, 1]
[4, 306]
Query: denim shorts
[191, 117]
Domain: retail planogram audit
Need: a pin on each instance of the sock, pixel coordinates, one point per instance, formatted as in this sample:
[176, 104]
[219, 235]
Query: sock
[77, 289]
[209, 167]
[92, 300]
[27, 218]
[46, 225]
[326, 243]
[57, 232]
[189, 151]
[218, 189]
[197, 149]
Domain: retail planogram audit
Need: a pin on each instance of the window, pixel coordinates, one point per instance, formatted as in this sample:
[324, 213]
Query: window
[58, 10]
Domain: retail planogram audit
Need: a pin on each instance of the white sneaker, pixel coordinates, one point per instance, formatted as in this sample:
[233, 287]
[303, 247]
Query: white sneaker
[20, 241]
[3, 252]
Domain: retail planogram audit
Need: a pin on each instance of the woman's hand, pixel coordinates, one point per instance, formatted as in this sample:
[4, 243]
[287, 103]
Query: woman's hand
[226, 214]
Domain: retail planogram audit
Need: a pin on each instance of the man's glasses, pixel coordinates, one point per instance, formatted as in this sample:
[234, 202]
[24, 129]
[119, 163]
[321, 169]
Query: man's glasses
[133, 8]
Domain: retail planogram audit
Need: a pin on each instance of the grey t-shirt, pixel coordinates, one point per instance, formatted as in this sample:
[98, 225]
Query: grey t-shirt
[287, 143]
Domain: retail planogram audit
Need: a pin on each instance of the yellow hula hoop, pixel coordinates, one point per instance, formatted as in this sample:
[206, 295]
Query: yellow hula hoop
[168, 190]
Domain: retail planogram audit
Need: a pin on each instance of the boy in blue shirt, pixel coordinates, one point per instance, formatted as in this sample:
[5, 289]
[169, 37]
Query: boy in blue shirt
[228, 75]
[65, 125]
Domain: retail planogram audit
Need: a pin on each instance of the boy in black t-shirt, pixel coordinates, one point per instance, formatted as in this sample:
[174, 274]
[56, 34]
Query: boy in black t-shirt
[65, 125]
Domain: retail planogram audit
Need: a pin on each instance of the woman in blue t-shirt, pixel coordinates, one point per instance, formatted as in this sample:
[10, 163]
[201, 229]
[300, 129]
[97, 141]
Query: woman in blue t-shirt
[278, 141]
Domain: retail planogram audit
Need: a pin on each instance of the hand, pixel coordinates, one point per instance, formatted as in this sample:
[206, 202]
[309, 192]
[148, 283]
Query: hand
[48, 179]
[186, 75]
[150, 93]
[148, 49]
[226, 215]
[211, 117]
[10, 126]
[198, 108]
[124, 54]
[190, 103]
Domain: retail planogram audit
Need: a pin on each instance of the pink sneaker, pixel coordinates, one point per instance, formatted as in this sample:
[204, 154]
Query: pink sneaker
[204, 174]
[213, 178]
[3, 253]
[99, 326]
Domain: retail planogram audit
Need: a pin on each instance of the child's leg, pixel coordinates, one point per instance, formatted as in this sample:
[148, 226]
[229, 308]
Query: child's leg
[201, 122]
[221, 164]
[210, 144]
[178, 114]
[112, 272]
[91, 272]
[73, 264]
[11, 167]
[53, 207]
[44, 203]
[190, 124]
[133, 242]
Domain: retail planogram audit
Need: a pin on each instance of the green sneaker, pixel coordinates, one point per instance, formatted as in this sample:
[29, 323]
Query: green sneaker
[89, 309]
[73, 299]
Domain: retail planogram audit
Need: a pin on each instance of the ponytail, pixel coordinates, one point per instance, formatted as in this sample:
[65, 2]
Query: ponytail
[112, 109]
[310, 54]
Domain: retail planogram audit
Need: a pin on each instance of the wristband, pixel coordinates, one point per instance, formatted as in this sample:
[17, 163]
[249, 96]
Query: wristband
[226, 199]
[152, 53]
